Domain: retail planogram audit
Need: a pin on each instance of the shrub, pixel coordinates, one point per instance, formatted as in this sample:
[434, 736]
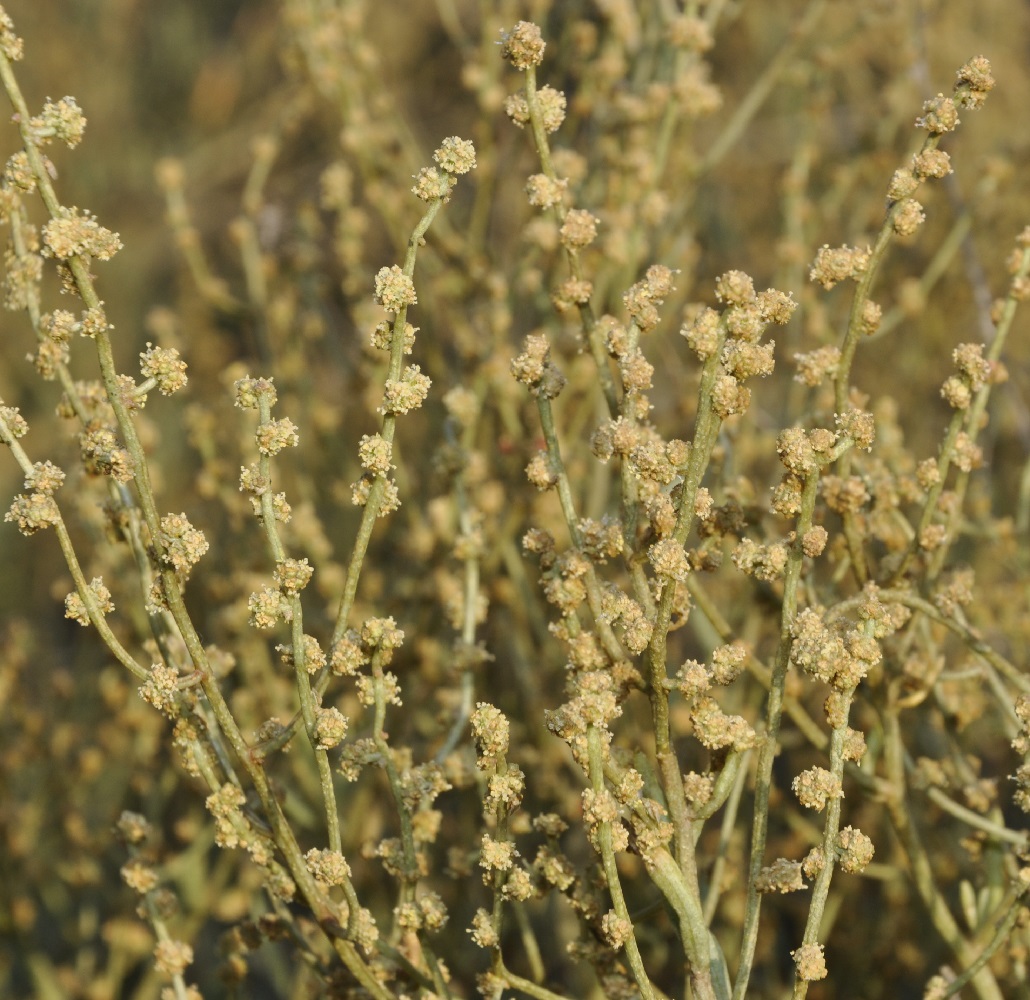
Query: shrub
[563, 646]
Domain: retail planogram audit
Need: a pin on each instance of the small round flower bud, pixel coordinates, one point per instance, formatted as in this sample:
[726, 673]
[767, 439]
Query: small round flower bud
[61, 119]
[73, 233]
[690, 33]
[871, 316]
[164, 366]
[330, 728]
[408, 392]
[524, 45]
[171, 957]
[940, 115]
[133, 828]
[375, 454]
[903, 184]
[544, 192]
[815, 787]
[957, 393]
[516, 107]
[735, 288]
[267, 606]
[552, 105]
[814, 541]
[540, 472]
[293, 575]
[932, 163]
[18, 173]
[908, 217]
[974, 82]
[329, 867]
[456, 156]
[394, 289]
[810, 962]
[432, 184]
[181, 544]
[250, 390]
[856, 849]
[703, 333]
[781, 876]
[579, 229]
[10, 44]
[75, 607]
[834, 264]
[274, 435]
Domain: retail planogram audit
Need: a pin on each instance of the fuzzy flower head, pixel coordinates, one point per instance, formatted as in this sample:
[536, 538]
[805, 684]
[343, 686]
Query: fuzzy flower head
[62, 120]
[73, 233]
[432, 184]
[249, 391]
[456, 156]
[163, 365]
[182, 545]
[855, 849]
[974, 82]
[552, 104]
[33, 512]
[293, 575]
[524, 45]
[273, 436]
[406, 393]
[75, 607]
[394, 290]
[329, 867]
[10, 44]
[545, 192]
[810, 962]
[815, 787]
[490, 730]
[834, 264]
[330, 727]
[940, 115]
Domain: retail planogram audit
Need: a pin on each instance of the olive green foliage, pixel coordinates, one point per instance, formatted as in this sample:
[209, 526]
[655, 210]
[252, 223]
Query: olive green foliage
[530, 499]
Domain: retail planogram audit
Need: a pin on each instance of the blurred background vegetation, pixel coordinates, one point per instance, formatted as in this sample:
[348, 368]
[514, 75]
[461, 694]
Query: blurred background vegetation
[373, 87]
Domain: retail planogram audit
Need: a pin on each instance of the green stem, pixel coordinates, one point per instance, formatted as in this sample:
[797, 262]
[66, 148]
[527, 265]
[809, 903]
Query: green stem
[767, 752]
[611, 871]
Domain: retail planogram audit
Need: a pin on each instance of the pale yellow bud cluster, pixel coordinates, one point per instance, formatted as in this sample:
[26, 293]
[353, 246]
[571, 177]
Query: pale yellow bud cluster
[407, 393]
[394, 290]
[763, 561]
[781, 876]
[163, 365]
[524, 45]
[715, 730]
[456, 156]
[810, 961]
[101, 453]
[249, 391]
[544, 191]
[267, 606]
[62, 120]
[73, 233]
[75, 608]
[10, 44]
[855, 850]
[835, 264]
[172, 957]
[161, 690]
[313, 657]
[330, 728]
[643, 298]
[815, 786]
[534, 368]
[329, 867]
